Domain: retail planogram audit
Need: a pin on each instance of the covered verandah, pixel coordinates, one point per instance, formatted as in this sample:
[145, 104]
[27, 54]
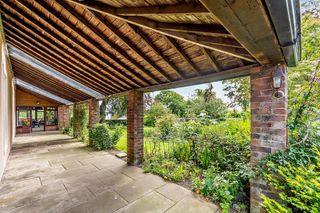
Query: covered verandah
[83, 51]
[51, 172]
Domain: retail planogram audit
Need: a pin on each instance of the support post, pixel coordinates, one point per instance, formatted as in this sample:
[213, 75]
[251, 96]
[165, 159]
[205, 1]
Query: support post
[63, 116]
[94, 111]
[135, 127]
[268, 125]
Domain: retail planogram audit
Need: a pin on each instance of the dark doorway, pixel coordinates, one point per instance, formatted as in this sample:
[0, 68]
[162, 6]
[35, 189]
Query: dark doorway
[37, 119]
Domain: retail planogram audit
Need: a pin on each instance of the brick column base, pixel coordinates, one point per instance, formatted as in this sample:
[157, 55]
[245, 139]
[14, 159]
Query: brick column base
[63, 116]
[94, 111]
[268, 125]
[135, 127]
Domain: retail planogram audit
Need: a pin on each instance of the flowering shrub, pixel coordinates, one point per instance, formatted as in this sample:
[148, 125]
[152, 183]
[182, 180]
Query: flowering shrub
[25, 122]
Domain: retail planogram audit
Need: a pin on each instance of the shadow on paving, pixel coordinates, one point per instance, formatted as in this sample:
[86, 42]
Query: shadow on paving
[60, 174]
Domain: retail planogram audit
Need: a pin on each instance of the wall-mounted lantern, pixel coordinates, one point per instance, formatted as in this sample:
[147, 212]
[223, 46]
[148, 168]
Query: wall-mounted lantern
[277, 82]
[38, 102]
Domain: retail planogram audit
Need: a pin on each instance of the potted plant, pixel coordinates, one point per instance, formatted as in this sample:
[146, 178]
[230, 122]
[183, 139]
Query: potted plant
[25, 126]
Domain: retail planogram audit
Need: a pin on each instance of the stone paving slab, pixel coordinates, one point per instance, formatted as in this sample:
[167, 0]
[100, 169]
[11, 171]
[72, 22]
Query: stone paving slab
[151, 203]
[107, 202]
[192, 205]
[138, 188]
[174, 192]
[54, 173]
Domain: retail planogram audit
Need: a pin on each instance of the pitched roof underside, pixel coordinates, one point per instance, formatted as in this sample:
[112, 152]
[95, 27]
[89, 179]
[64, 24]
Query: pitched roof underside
[115, 46]
[38, 95]
[35, 72]
[41, 92]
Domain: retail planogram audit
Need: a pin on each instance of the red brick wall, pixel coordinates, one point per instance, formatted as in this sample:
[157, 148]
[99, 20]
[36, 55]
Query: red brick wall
[63, 116]
[268, 125]
[135, 127]
[94, 111]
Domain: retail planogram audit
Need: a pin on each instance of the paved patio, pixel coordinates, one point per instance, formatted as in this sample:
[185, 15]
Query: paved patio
[54, 173]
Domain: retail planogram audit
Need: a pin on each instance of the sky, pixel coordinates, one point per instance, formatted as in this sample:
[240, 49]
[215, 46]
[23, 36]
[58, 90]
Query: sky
[186, 92]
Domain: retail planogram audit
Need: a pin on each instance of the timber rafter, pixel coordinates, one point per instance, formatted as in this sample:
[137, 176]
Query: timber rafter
[114, 47]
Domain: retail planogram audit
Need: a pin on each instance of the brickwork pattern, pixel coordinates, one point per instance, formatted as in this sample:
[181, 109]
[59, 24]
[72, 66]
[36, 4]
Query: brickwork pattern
[268, 126]
[63, 116]
[135, 127]
[94, 111]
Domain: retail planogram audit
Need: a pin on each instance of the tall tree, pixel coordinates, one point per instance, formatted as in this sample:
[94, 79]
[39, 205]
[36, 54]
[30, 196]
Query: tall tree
[238, 91]
[173, 101]
[205, 102]
[117, 106]
[103, 108]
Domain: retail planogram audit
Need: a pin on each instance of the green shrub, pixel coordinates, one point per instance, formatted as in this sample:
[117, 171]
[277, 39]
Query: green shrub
[80, 122]
[156, 111]
[223, 186]
[166, 126]
[169, 169]
[67, 131]
[148, 131]
[101, 137]
[299, 187]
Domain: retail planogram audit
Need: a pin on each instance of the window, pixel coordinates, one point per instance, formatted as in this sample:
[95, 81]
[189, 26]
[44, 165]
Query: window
[23, 116]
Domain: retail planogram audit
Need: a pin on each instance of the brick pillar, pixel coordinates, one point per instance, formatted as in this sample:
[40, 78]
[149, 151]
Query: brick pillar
[268, 126]
[94, 111]
[63, 116]
[135, 127]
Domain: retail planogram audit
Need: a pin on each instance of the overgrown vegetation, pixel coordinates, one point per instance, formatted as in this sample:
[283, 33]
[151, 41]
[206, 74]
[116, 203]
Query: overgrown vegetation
[212, 158]
[295, 172]
[80, 122]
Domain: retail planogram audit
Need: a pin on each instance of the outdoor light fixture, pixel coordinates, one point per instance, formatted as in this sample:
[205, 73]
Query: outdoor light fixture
[277, 81]
[38, 102]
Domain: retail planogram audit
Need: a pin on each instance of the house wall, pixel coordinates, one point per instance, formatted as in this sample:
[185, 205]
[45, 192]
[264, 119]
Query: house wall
[7, 103]
[26, 99]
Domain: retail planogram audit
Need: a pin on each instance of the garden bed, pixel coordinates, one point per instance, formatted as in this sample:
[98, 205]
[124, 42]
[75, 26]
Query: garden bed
[210, 159]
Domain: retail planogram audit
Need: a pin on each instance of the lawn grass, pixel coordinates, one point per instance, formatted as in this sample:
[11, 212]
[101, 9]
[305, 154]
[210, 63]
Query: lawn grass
[122, 143]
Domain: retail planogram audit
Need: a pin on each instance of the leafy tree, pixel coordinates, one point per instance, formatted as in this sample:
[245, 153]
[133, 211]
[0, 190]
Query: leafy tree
[238, 91]
[311, 30]
[103, 108]
[117, 106]
[147, 100]
[155, 112]
[205, 102]
[172, 101]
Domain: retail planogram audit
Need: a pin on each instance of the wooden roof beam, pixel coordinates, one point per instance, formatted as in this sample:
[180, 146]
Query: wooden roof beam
[183, 8]
[50, 35]
[132, 46]
[76, 43]
[58, 63]
[152, 25]
[112, 44]
[106, 39]
[24, 36]
[249, 23]
[216, 76]
[179, 50]
[148, 42]
[210, 29]
[27, 71]
[214, 63]
[39, 96]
